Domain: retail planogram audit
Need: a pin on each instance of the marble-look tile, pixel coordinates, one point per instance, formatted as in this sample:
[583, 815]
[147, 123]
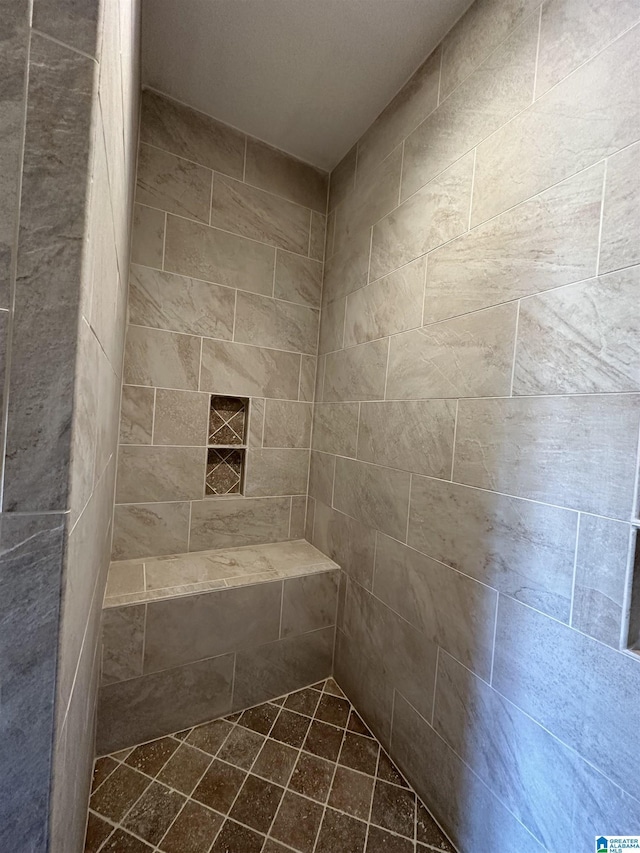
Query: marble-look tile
[406, 656]
[256, 421]
[309, 518]
[72, 22]
[573, 31]
[387, 306]
[581, 339]
[373, 197]
[194, 627]
[249, 371]
[298, 279]
[579, 450]
[332, 326]
[438, 212]
[335, 428]
[343, 178]
[170, 183]
[191, 134]
[148, 474]
[621, 213]
[329, 235]
[308, 366]
[522, 549]
[317, 235]
[279, 173]
[469, 356]
[136, 415]
[357, 373]
[482, 822]
[258, 215]
[452, 611]
[348, 542]
[143, 530]
[600, 585]
[309, 603]
[268, 322]
[30, 572]
[181, 418]
[346, 270]
[49, 269]
[415, 436]
[122, 642]
[287, 424]
[166, 359]
[589, 115]
[271, 471]
[413, 103]
[196, 250]
[180, 304]
[144, 708]
[321, 474]
[495, 92]
[546, 242]
[319, 385]
[298, 518]
[567, 675]
[147, 241]
[277, 668]
[124, 578]
[376, 496]
[239, 521]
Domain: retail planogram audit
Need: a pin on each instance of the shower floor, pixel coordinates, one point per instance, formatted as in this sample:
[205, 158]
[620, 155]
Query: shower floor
[301, 773]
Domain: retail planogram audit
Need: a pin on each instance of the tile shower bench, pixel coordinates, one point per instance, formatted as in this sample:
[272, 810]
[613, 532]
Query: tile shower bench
[194, 636]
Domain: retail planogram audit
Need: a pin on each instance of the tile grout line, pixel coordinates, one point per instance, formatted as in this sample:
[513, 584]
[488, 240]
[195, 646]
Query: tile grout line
[574, 573]
[601, 225]
[515, 349]
[537, 60]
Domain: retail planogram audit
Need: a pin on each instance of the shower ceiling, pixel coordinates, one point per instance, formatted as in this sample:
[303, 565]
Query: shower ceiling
[307, 76]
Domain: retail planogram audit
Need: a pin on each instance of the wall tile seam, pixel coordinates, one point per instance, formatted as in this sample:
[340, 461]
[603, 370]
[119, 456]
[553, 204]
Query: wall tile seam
[624, 639]
[76, 50]
[303, 448]
[515, 398]
[515, 354]
[574, 576]
[83, 509]
[537, 62]
[602, 212]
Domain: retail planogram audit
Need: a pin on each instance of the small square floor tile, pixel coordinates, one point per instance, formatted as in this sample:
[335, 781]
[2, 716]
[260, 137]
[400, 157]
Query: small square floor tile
[388, 772]
[275, 762]
[324, 740]
[297, 822]
[98, 831]
[359, 753]
[234, 838]
[357, 725]
[185, 768]
[259, 719]
[150, 758]
[219, 786]
[330, 686]
[257, 803]
[381, 841]
[210, 736]
[332, 709]
[193, 830]
[303, 701]
[312, 777]
[352, 792]
[104, 767]
[122, 753]
[428, 832]
[290, 728]
[274, 847]
[124, 842]
[118, 793]
[394, 808]
[341, 832]
[241, 747]
[154, 813]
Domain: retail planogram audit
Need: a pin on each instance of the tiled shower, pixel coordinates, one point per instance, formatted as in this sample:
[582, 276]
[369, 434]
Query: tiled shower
[426, 364]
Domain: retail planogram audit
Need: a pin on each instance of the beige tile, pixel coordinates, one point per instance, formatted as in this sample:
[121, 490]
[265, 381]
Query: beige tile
[181, 417]
[136, 415]
[414, 436]
[191, 134]
[335, 428]
[196, 250]
[343, 178]
[308, 368]
[269, 322]
[276, 472]
[317, 235]
[621, 215]
[309, 603]
[180, 304]
[122, 643]
[256, 421]
[147, 240]
[387, 306]
[496, 91]
[413, 103]
[259, 215]
[332, 326]
[591, 114]
[298, 279]
[124, 578]
[469, 356]
[160, 474]
[298, 516]
[166, 359]
[346, 270]
[435, 214]
[287, 424]
[376, 496]
[545, 242]
[569, 451]
[329, 235]
[232, 522]
[356, 373]
[581, 339]
[321, 472]
[319, 386]
[279, 173]
[173, 184]
[347, 541]
[143, 530]
[249, 371]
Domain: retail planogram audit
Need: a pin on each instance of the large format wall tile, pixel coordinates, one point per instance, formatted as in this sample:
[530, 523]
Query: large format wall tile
[287, 424]
[208, 253]
[580, 339]
[272, 471]
[414, 436]
[249, 371]
[548, 241]
[572, 451]
[180, 304]
[332, 327]
[136, 414]
[621, 215]
[180, 418]
[523, 549]
[173, 184]
[165, 359]
[144, 530]
[470, 356]
[321, 474]
[346, 541]
[160, 474]
[298, 279]
[238, 521]
[122, 642]
[376, 496]
[343, 178]
[309, 603]
[272, 323]
[589, 115]
[357, 373]
[281, 174]
[335, 428]
[347, 269]
[147, 238]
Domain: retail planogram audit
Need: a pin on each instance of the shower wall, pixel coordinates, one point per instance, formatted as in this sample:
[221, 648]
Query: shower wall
[68, 115]
[476, 426]
[225, 286]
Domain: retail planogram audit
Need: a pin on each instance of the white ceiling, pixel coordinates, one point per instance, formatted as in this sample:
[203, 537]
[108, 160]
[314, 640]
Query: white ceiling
[307, 76]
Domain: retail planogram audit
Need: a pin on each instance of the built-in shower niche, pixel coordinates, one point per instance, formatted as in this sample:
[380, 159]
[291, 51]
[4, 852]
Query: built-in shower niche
[226, 445]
